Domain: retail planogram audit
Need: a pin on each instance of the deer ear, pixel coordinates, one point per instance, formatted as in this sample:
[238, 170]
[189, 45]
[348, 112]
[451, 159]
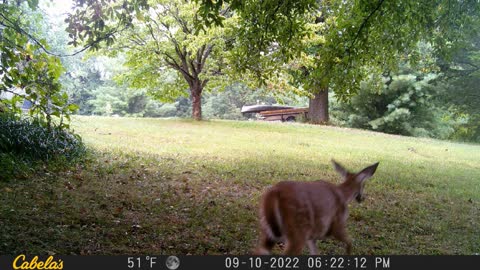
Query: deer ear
[366, 173]
[339, 168]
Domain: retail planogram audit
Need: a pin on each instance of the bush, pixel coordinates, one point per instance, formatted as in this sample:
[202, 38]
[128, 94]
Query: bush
[406, 104]
[25, 143]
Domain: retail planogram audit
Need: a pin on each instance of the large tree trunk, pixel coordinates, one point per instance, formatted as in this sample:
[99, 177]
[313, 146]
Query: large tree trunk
[196, 92]
[318, 108]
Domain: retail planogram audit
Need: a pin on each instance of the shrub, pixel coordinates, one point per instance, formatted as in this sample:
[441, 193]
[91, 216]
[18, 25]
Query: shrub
[406, 104]
[26, 143]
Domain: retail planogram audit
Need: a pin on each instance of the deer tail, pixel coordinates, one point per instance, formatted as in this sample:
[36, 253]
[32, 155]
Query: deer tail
[271, 217]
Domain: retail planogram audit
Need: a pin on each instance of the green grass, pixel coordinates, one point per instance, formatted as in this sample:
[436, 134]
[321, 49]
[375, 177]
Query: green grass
[155, 186]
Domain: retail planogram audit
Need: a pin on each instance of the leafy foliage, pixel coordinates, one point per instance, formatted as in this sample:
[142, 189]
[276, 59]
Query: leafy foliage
[80, 83]
[97, 21]
[164, 53]
[339, 43]
[110, 99]
[27, 69]
[338, 39]
[264, 21]
[462, 75]
[169, 59]
[227, 104]
[295, 47]
[24, 143]
[407, 103]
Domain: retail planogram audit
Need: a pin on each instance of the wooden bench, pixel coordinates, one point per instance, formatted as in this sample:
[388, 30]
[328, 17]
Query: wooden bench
[289, 115]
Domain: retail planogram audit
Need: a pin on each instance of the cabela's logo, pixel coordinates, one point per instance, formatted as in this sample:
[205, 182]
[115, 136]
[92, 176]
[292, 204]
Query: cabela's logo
[21, 262]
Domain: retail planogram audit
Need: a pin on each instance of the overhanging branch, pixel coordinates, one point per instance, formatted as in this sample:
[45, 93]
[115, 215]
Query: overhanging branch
[20, 30]
[364, 23]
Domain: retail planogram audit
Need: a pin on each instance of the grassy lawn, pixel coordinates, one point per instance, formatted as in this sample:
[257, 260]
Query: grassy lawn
[154, 186]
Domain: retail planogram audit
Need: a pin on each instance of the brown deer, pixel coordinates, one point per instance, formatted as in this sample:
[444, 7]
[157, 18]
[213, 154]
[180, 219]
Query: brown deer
[299, 213]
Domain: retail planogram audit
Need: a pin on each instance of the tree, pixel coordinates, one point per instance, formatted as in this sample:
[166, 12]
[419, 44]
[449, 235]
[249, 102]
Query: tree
[166, 39]
[338, 43]
[96, 22]
[462, 76]
[169, 40]
[28, 70]
[16, 46]
[405, 103]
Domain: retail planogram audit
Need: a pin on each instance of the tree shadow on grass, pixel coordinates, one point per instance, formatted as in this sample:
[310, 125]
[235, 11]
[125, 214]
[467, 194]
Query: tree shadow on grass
[124, 204]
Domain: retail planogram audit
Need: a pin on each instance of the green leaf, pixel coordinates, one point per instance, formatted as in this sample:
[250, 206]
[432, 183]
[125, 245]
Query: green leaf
[73, 107]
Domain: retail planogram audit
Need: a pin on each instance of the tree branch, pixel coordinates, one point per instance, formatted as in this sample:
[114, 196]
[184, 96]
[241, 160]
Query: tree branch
[183, 23]
[150, 29]
[204, 56]
[207, 53]
[364, 23]
[192, 67]
[204, 83]
[14, 93]
[173, 63]
[198, 61]
[20, 30]
[182, 54]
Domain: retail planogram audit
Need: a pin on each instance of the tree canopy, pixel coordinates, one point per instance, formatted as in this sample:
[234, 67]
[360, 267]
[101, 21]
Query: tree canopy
[336, 44]
[28, 70]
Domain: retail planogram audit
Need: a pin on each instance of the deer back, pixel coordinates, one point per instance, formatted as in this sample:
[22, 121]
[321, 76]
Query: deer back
[302, 208]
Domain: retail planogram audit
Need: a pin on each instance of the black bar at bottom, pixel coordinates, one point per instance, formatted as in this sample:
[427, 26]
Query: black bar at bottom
[182, 262]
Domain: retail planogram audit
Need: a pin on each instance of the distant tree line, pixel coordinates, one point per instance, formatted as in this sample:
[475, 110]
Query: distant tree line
[416, 100]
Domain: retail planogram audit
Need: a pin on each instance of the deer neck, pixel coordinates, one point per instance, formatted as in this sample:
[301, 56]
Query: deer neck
[348, 190]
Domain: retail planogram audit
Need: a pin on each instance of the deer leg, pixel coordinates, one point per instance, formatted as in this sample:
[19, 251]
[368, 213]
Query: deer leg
[312, 246]
[296, 239]
[265, 246]
[294, 247]
[340, 234]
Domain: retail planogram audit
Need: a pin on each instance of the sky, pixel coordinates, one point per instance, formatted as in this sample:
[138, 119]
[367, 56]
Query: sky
[56, 8]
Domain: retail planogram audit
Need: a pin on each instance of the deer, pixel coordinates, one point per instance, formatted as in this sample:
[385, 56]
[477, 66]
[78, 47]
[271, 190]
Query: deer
[298, 213]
